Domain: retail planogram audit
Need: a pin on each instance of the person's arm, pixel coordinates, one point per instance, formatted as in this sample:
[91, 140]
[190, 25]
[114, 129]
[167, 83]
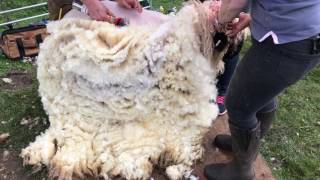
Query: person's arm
[130, 4]
[98, 11]
[230, 9]
[235, 27]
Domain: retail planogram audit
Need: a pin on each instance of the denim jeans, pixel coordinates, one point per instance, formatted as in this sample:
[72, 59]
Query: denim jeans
[224, 79]
[264, 72]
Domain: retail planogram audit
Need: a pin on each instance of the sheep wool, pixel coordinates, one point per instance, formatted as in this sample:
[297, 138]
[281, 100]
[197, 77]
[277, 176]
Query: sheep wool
[123, 100]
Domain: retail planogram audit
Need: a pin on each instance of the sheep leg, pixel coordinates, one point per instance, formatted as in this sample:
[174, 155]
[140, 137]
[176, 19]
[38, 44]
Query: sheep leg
[40, 151]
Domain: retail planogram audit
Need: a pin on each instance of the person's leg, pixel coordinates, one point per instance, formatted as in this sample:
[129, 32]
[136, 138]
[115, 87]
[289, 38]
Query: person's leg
[224, 80]
[265, 116]
[264, 72]
[262, 75]
[58, 8]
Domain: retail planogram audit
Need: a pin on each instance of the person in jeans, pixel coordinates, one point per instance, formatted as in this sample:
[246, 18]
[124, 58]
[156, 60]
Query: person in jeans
[230, 60]
[285, 47]
[97, 11]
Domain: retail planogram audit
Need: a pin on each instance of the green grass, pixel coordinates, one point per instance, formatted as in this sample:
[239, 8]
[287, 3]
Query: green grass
[294, 140]
[5, 5]
[166, 4]
[6, 65]
[292, 147]
[18, 104]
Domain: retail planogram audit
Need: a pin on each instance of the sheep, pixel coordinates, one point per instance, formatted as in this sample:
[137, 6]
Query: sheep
[123, 100]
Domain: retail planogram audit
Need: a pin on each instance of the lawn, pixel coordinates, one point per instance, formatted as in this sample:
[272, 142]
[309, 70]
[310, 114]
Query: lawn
[292, 147]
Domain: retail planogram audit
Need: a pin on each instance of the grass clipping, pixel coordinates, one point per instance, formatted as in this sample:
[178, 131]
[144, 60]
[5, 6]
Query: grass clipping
[123, 100]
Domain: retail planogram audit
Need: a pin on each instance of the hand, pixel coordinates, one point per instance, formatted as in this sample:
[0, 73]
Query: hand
[130, 4]
[236, 26]
[98, 11]
[219, 27]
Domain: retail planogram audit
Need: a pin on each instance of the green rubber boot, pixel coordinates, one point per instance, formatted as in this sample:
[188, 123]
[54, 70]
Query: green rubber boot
[245, 145]
[223, 141]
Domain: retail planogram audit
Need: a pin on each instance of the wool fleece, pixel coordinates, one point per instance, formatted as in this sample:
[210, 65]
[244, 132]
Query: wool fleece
[122, 100]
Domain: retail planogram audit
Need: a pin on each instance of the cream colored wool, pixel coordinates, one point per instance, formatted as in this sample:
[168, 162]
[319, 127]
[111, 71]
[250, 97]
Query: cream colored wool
[122, 100]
